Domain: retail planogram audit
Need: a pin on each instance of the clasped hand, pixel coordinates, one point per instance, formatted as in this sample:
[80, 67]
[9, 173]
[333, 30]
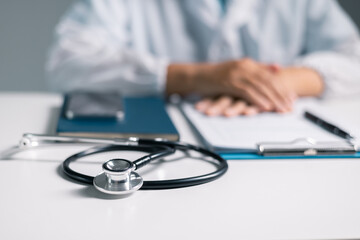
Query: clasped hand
[245, 87]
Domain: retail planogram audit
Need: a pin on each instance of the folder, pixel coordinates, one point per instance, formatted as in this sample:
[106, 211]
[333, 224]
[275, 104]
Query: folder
[271, 135]
[144, 117]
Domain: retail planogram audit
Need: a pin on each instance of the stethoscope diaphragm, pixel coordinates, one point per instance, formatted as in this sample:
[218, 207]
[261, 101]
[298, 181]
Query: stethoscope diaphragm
[118, 178]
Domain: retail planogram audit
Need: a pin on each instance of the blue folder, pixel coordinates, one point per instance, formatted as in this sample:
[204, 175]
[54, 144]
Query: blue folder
[145, 117]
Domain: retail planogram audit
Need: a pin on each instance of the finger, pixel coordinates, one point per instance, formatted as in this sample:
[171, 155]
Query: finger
[235, 109]
[218, 106]
[262, 77]
[267, 83]
[251, 94]
[203, 104]
[253, 89]
[286, 95]
[256, 84]
[251, 110]
[262, 89]
[293, 96]
[273, 90]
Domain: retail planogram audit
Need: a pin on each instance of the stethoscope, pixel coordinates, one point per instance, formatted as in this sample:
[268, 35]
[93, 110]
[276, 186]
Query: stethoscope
[119, 176]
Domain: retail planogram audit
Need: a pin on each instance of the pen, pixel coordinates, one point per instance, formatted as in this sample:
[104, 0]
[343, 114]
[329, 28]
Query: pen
[328, 126]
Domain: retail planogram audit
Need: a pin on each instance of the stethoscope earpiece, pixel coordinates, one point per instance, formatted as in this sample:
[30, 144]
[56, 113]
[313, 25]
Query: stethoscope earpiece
[118, 178]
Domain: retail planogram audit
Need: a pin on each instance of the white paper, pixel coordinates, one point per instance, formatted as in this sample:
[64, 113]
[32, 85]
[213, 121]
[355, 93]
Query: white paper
[244, 132]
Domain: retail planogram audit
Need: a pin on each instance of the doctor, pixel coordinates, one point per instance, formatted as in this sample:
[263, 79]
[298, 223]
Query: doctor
[258, 55]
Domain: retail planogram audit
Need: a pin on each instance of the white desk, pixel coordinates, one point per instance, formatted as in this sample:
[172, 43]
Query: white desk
[269, 199]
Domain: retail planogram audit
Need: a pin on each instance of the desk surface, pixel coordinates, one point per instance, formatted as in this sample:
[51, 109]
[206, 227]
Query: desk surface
[261, 199]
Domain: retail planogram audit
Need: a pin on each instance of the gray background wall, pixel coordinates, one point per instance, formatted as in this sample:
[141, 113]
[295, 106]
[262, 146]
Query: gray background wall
[26, 32]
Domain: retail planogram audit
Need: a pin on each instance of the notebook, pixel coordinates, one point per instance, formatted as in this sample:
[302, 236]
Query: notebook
[143, 117]
[237, 136]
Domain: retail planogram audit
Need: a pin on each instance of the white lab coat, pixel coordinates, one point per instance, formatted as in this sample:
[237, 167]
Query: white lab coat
[126, 45]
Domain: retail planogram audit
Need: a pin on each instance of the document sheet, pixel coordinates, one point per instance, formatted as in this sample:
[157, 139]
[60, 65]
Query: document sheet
[243, 133]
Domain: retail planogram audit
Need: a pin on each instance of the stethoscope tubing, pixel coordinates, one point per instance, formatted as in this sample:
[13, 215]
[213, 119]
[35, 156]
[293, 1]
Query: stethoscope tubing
[157, 149]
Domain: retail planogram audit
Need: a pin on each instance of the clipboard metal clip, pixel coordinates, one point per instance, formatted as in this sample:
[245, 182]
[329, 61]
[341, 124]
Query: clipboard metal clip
[306, 147]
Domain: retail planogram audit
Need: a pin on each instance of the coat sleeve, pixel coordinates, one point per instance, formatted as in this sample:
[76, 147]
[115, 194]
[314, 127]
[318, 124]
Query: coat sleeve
[95, 50]
[332, 48]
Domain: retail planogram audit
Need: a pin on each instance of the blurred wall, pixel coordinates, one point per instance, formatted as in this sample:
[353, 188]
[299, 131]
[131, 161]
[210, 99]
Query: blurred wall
[26, 32]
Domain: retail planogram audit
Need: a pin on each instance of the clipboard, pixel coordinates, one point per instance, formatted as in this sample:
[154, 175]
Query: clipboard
[255, 156]
[306, 147]
[298, 149]
[268, 136]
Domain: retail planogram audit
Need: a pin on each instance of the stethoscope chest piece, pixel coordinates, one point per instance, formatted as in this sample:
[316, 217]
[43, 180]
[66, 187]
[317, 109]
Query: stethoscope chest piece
[118, 178]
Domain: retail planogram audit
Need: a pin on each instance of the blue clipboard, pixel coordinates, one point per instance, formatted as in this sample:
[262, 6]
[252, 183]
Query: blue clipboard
[255, 156]
[298, 149]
